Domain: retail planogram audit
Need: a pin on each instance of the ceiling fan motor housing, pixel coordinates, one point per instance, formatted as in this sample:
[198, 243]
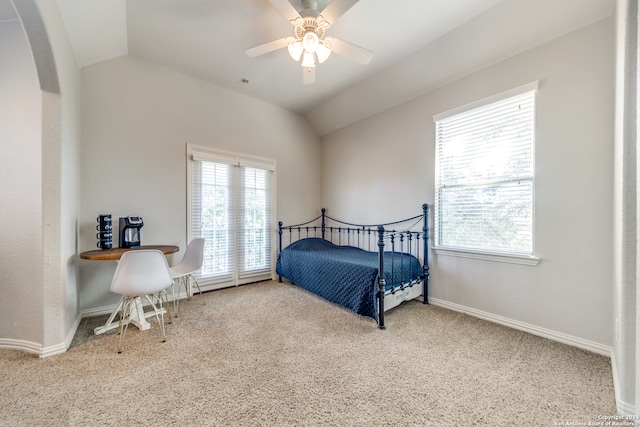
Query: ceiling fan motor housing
[307, 24]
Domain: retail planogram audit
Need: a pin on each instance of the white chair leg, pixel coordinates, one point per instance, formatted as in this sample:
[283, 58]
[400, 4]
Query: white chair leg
[164, 334]
[197, 286]
[125, 319]
[186, 281]
[187, 285]
[156, 310]
[196, 283]
[176, 299]
[165, 302]
[115, 312]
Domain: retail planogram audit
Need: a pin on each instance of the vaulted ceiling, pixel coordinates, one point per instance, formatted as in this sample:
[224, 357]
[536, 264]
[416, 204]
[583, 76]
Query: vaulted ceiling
[417, 45]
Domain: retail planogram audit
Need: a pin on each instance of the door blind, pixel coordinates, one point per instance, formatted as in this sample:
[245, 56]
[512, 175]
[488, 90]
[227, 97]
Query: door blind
[230, 208]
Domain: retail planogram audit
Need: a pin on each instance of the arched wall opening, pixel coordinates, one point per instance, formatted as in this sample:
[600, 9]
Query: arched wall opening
[30, 124]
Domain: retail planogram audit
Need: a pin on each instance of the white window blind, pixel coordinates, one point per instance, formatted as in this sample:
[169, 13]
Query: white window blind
[230, 206]
[485, 175]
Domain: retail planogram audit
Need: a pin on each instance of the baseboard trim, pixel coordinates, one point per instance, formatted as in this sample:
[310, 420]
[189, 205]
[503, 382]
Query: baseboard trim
[74, 329]
[38, 349]
[624, 408]
[526, 327]
[21, 345]
[54, 350]
[98, 311]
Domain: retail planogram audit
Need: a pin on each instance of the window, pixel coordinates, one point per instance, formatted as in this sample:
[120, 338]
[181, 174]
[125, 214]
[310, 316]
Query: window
[230, 206]
[485, 175]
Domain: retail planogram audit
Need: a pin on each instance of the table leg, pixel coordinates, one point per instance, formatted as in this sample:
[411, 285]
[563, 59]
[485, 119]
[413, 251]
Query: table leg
[138, 318]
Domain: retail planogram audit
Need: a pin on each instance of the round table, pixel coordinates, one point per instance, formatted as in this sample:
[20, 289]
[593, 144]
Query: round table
[115, 253]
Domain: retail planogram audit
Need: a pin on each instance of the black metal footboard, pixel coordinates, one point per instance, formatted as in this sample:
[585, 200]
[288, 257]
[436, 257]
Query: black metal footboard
[394, 241]
[402, 236]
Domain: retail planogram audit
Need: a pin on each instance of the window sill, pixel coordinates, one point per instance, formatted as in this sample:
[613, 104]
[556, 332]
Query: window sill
[489, 256]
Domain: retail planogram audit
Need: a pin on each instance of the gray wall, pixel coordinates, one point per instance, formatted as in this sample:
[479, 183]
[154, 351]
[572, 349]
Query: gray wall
[626, 357]
[61, 177]
[138, 117]
[21, 191]
[386, 164]
[39, 128]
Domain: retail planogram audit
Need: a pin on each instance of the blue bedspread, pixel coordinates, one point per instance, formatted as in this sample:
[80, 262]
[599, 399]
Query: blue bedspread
[343, 275]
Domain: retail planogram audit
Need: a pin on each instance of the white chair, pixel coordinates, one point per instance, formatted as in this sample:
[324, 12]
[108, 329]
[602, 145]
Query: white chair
[182, 272]
[140, 273]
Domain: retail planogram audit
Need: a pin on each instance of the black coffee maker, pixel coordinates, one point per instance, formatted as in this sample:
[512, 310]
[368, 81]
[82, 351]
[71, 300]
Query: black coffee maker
[130, 231]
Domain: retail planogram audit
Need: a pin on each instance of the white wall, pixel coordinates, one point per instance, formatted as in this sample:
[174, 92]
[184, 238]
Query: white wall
[626, 357]
[39, 115]
[61, 185]
[138, 118]
[21, 190]
[390, 157]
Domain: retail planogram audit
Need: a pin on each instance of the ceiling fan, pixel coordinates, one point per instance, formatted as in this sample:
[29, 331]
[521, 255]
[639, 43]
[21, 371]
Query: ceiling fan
[309, 42]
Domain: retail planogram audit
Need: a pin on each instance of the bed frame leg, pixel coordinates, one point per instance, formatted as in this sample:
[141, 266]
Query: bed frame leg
[425, 286]
[425, 266]
[381, 310]
[381, 281]
[279, 245]
[381, 286]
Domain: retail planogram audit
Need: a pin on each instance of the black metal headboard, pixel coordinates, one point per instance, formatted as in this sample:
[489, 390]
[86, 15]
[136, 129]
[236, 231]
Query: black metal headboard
[364, 236]
[401, 237]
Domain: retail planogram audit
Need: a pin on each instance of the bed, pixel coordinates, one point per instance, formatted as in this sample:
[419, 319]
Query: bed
[367, 269]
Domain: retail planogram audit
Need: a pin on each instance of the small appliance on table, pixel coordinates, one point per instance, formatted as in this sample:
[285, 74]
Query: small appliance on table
[129, 231]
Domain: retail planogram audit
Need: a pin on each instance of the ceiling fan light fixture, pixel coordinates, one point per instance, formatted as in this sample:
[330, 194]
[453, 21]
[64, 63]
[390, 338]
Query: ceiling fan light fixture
[308, 60]
[310, 41]
[309, 46]
[295, 49]
[322, 52]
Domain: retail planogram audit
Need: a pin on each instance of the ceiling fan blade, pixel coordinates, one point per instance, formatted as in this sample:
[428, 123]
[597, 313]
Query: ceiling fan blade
[336, 9]
[286, 9]
[349, 50]
[308, 75]
[267, 47]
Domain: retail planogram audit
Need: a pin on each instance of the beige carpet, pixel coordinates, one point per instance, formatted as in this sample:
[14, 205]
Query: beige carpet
[271, 354]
